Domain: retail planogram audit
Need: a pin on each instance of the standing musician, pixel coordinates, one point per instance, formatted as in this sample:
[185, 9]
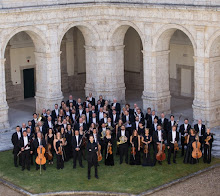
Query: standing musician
[200, 130]
[25, 151]
[135, 158]
[184, 130]
[39, 141]
[15, 139]
[76, 145]
[208, 140]
[108, 140]
[163, 122]
[158, 136]
[122, 139]
[171, 123]
[147, 140]
[92, 158]
[173, 138]
[49, 141]
[58, 147]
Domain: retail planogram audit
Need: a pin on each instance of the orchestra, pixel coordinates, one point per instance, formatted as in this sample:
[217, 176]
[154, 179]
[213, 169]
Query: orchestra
[99, 130]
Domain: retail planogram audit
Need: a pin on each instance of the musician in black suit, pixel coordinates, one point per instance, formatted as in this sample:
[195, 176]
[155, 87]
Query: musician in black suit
[76, 145]
[88, 115]
[92, 158]
[80, 124]
[184, 130]
[55, 113]
[39, 141]
[154, 126]
[128, 118]
[116, 105]
[79, 102]
[148, 118]
[15, 139]
[159, 136]
[123, 138]
[102, 101]
[173, 137]
[34, 121]
[70, 100]
[164, 122]
[140, 115]
[200, 129]
[171, 123]
[49, 123]
[30, 126]
[24, 144]
[91, 99]
[115, 117]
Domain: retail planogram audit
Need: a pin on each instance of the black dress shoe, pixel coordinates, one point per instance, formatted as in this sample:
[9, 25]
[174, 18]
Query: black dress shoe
[74, 167]
[160, 163]
[174, 161]
[96, 177]
[44, 168]
[89, 177]
[22, 169]
[28, 169]
[168, 163]
[16, 165]
[81, 166]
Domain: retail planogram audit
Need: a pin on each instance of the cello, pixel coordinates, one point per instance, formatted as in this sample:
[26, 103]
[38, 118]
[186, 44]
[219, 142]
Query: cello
[161, 156]
[48, 153]
[40, 159]
[196, 153]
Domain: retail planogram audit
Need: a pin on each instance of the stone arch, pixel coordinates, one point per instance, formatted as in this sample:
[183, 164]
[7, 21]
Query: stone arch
[212, 43]
[89, 32]
[37, 36]
[162, 37]
[117, 34]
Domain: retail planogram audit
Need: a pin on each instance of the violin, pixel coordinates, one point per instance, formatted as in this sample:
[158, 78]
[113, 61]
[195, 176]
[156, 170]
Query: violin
[60, 151]
[48, 153]
[176, 147]
[146, 149]
[161, 156]
[196, 153]
[109, 150]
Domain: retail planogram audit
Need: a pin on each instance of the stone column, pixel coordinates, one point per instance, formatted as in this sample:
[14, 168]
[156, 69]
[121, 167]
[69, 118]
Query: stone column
[105, 72]
[156, 92]
[4, 123]
[48, 74]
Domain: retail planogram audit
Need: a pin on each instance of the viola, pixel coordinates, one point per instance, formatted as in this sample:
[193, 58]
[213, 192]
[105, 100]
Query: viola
[176, 147]
[161, 156]
[196, 153]
[99, 153]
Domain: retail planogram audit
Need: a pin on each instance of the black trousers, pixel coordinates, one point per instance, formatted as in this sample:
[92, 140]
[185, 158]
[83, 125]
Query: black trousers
[183, 145]
[17, 157]
[170, 150]
[123, 150]
[25, 156]
[60, 162]
[207, 153]
[202, 142]
[77, 155]
[89, 169]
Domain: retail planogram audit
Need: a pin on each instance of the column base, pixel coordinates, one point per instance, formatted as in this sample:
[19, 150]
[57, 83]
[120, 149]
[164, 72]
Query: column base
[209, 115]
[4, 123]
[47, 103]
[159, 104]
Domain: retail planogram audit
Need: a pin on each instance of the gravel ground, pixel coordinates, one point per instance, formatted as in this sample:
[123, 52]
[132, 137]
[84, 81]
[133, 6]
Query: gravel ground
[204, 184]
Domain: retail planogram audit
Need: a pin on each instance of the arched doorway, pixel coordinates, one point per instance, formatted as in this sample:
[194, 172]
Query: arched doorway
[73, 63]
[133, 66]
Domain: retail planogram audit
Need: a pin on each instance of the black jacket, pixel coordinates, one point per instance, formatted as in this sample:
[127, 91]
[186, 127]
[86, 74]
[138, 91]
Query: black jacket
[16, 142]
[196, 127]
[74, 142]
[170, 139]
[92, 149]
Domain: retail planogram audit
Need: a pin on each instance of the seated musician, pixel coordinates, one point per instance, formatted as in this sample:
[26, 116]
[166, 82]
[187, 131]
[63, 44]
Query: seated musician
[92, 158]
[25, 151]
[39, 141]
[208, 140]
[173, 138]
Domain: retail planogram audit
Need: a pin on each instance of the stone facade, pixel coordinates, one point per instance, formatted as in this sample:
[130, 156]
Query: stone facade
[103, 25]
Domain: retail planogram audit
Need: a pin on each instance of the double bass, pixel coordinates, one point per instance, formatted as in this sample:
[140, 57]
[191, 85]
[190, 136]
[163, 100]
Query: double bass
[41, 159]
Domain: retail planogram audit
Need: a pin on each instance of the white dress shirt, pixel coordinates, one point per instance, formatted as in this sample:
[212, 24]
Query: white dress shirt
[26, 142]
[19, 135]
[173, 136]
[159, 135]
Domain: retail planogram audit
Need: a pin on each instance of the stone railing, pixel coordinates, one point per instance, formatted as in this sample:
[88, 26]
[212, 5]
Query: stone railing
[4, 4]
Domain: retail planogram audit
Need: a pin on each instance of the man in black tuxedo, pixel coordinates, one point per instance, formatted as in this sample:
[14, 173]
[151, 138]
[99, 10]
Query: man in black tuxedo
[158, 136]
[39, 141]
[49, 123]
[30, 126]
[148, 118]
[55, 112]
[98, 106]
[154, 126]
[140, 115]
[201, 130]
[123, 147]
[71, 100]
[88, 115]
[34, 121]
[114, 117]
[92, 158]
[80, 111]
[164, 122]
[184, 130]
[42, 128]
[23, 127]
[91, 99]
[76, 145]
[15, 139]
[173, 137]
[171, 123]
[102, 101]
[116, 105]
[80, 124]
[79, 102]
[25, 151]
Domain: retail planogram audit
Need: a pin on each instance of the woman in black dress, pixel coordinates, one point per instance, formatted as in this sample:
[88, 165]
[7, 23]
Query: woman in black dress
[147, 139]
[208, 139]
[188, 156]
[58, 145]
[49, 140]
[108, 141]
[135, 158]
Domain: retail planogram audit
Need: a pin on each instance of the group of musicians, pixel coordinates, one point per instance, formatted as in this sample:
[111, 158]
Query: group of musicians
[76, 129]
